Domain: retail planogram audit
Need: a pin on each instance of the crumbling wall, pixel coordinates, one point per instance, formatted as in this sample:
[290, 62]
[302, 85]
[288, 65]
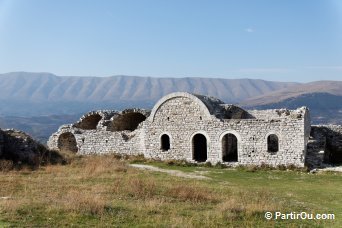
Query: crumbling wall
[279, 113]
[98, 142]
[1, 142]
[95, 120]
[196, 123]
[116, 132]
[329, 141]
[127, 120]
[89, 122]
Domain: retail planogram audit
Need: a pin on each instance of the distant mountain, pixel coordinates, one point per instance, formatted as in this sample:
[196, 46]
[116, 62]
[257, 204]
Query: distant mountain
[323, 98]
[330, 87]
[39, 103]
[40, 127]
[23, 93]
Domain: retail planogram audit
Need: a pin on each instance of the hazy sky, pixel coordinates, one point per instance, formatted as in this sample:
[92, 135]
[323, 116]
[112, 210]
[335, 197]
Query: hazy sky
[268, 39]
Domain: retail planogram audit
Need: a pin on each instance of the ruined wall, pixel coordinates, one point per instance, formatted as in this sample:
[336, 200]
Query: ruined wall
[328, 143]
[194, 128]
[1, 142]
[183, 117]
[101, 142]
[124, 142]
[278, 113]
[109, 135]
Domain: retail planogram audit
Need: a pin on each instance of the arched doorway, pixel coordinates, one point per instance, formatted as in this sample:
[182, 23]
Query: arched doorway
[272, 143]
[67, 143]
[229, 148]
[165, 142]
[199, 148]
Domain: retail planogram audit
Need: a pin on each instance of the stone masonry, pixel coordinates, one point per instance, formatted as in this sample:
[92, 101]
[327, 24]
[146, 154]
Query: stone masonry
[196, 128]
[325, 145]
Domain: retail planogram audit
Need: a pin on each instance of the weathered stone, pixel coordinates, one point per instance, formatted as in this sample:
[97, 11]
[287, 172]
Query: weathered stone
[195, 128]
[325, 145]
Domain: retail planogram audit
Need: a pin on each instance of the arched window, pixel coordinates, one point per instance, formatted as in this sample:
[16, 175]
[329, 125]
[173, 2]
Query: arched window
[165, 142]
[272, 143]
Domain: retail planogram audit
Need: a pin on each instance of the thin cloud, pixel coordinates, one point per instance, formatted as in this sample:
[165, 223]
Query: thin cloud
[263, 70]
[250, 30]
[324, 67]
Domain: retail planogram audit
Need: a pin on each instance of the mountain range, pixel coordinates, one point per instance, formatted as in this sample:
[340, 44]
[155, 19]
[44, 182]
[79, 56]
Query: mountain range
[323, 98]
[23, 95]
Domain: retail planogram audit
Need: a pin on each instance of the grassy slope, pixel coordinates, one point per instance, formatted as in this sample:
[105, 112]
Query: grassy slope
[103, 191]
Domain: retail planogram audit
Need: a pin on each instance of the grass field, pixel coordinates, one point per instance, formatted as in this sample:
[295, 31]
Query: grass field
[104, 191]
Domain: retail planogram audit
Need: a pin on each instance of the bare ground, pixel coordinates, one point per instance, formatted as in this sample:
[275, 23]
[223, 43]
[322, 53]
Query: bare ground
[171, 172]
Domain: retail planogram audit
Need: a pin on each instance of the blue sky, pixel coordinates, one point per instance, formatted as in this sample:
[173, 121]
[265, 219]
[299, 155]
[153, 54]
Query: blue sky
[268, 39]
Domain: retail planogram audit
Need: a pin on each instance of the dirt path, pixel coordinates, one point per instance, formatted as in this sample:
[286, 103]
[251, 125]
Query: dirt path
[169, 171]
[334, 169]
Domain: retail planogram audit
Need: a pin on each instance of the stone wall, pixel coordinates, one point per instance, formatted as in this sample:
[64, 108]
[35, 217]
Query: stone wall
[181, 118]
[277, 113]
[326, 144]
[195, 128]
[108, 136]
[100, 142]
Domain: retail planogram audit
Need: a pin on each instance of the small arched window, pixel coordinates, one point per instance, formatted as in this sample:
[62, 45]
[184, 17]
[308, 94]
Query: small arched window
[272, 143]
[165, 142]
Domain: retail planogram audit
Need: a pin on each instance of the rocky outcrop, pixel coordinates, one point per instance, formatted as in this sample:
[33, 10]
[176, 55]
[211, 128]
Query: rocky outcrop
[1, 142]
[21, 148]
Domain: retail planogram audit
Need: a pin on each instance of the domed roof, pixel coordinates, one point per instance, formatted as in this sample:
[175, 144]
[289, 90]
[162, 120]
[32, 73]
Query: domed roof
[211, 106]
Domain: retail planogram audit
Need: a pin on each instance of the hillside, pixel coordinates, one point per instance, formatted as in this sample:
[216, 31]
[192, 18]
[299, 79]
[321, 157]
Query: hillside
[34, 94]
[329, 87]
[40, 127]
[323, 98]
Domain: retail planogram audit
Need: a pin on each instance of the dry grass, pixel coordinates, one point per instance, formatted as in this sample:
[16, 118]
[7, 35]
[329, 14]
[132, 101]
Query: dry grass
[134, 187]
[245, 205]
[105, 191]
[6, 165]
[83, 202]
[193, 193]
[97, 165]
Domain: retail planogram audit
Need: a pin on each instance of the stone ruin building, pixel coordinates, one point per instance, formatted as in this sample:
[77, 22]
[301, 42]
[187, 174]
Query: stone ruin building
[196, 128]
